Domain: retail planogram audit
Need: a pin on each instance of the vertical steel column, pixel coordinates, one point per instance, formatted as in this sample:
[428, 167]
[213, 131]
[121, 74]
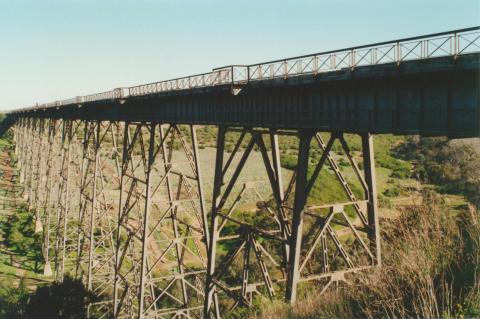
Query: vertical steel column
[61, 198]
[211, 301]
[116, 282]
[15, 130]
[298, 212]
[87, 194]
[277, 185]
[17, 137]
[91, 243]
[101, 215]
[131, 269]
[372, 204]
[23, 159]
[173, 240]
[34, 131]
[201, 195]
[167, 159]
[27, 133]
[19, 126]
[41, 166]
[48, 188]
[36, 161]
[146, 220]
[226, 283]
[63, 208]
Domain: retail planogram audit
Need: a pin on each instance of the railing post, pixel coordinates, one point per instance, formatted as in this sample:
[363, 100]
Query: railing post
[456, 44]
[352, 59]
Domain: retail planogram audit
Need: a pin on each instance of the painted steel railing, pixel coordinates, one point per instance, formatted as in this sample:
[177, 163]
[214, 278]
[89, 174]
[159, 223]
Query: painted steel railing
[451, 43]
[441, 44]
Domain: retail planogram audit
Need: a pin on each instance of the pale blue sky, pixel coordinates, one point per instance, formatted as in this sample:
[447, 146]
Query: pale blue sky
[51, 50]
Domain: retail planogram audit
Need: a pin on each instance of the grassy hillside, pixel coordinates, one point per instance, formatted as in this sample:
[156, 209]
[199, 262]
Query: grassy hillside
[431, 246]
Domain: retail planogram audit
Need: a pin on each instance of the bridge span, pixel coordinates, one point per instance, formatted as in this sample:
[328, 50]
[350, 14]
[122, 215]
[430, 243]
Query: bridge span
[116, 186]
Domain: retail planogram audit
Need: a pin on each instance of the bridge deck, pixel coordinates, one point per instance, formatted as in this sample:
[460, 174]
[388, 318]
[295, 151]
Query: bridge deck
[425, 85]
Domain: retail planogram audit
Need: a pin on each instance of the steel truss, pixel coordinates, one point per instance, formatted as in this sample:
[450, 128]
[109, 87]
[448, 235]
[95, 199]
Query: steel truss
[66, 231]
[137, 233]
[321, 252]
[48, 187]
[161, 242]
[264, 247]
[35, 171]
[276, 252]
[97, 224]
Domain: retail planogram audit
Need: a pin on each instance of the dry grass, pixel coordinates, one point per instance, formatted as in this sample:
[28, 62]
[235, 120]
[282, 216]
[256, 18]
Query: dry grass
[431, 270]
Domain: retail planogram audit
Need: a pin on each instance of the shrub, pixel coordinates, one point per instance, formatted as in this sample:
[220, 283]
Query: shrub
[67, 299]
[13, 300]
[393, 191]
[452, 165]
[288, 161]
[401, 172]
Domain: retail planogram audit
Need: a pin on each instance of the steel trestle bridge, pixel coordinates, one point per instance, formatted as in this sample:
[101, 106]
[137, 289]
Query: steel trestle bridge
[116, 187]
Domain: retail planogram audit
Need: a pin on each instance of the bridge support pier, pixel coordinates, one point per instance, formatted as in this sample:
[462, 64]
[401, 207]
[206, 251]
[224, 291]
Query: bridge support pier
[304, 242]
[162, 236]
[66, 209]
[25, 150]
[300, 201]
[319, 252]
[100, 180]
[63, 200]
[247, 267]
[371, 194]
[49, 187]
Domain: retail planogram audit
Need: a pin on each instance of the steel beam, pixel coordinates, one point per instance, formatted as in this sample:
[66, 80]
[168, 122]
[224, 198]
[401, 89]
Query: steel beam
[298, 213]
[372, 205]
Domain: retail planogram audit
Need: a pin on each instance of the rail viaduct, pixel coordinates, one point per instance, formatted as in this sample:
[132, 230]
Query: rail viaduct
[116, 187]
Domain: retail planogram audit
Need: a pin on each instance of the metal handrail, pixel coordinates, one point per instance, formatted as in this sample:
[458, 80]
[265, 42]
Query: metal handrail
[450, 43]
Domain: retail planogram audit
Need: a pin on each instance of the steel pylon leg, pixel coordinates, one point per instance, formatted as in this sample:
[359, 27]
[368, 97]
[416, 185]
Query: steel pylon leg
[66, 233]
[23, 152]
[227, 213]
[97, 218]
[159, 226]
[298, 212]
[321, 243]
[48, 188]
[63, 191]
[211, 301]
[135, 172]
[372, 205]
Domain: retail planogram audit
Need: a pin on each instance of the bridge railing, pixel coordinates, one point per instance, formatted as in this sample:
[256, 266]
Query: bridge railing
[397, 51]
[216, 77]
[450, 43]
[109, 95]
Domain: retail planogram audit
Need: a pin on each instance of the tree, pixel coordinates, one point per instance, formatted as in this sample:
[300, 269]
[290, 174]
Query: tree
[65, 300]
